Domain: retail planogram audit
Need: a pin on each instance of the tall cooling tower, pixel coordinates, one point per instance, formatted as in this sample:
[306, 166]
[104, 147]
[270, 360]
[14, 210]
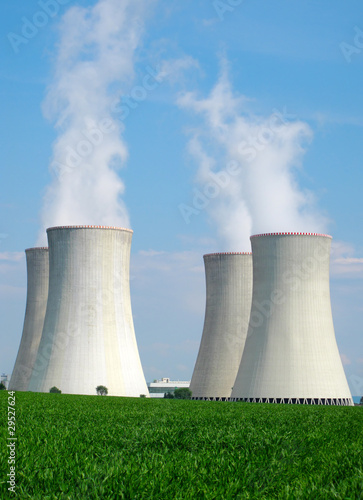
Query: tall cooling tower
[291, 355]
[228, 304]
[37, 264]
[88, 336]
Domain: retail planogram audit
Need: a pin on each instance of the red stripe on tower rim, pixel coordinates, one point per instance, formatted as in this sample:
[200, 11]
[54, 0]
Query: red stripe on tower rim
[227, 253]
[90, 227]
[291, 234]
[33, 249]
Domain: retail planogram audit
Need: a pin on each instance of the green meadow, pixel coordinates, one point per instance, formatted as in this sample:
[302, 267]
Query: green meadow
[94, 447]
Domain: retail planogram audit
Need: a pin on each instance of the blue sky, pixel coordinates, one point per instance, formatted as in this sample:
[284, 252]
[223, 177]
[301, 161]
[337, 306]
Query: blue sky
[303, 60]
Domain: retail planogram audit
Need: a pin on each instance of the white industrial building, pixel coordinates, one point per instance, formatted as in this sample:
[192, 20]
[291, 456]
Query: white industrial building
[88, 337]
[228, 304]
[291, 354]
[37, 263]
[159, 388]
[5, 380]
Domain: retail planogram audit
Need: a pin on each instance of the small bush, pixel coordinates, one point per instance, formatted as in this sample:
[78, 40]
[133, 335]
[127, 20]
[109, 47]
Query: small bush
[101, 390]
[55, 390]
[182, 393]
[2, 386]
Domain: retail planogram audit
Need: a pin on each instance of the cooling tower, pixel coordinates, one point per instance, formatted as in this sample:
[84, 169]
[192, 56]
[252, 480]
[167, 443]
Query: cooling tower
[37, 264]
[88, 337]
[291, 355]
[228, 304]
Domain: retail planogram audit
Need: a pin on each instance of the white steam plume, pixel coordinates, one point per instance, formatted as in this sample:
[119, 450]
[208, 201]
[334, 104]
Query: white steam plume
[247, 168]
[94, 66]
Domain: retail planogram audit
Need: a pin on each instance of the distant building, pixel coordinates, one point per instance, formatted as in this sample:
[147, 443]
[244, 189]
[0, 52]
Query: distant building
[159, 388]
[5, 379]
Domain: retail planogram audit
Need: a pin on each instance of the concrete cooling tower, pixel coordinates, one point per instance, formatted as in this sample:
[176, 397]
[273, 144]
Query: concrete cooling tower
[88, 337]
[291, 355]
[228, 304]
[37, 264]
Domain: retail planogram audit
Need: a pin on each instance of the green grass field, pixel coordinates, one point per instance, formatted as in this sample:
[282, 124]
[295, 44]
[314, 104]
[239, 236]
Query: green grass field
[93, 447]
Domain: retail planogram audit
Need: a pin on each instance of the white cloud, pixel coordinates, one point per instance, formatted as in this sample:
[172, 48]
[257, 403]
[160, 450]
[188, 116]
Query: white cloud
[344, 263]
[326, 118]
[345, 359]
[11, 262]
[248, 167]
[12, 256]
[94, 66]
[150, 253]
[210, 22]
[174, 69]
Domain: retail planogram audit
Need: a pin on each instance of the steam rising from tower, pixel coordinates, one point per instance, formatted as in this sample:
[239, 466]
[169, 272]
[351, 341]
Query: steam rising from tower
[261, 192]
[94, 66]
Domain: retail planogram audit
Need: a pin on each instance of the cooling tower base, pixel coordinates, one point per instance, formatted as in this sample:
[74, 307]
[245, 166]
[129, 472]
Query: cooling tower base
[215, 398]
[299, 401]
[287, 401]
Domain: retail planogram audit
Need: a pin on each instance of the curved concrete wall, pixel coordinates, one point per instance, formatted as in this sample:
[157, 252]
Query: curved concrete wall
[291, 354]
[37, 264]
[228, 303]
[88, 336]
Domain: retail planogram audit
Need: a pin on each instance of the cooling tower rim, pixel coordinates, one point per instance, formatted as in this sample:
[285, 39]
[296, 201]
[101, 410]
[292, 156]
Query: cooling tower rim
[227, 253]
[291, 234]
[54, 228]
[34, 249]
